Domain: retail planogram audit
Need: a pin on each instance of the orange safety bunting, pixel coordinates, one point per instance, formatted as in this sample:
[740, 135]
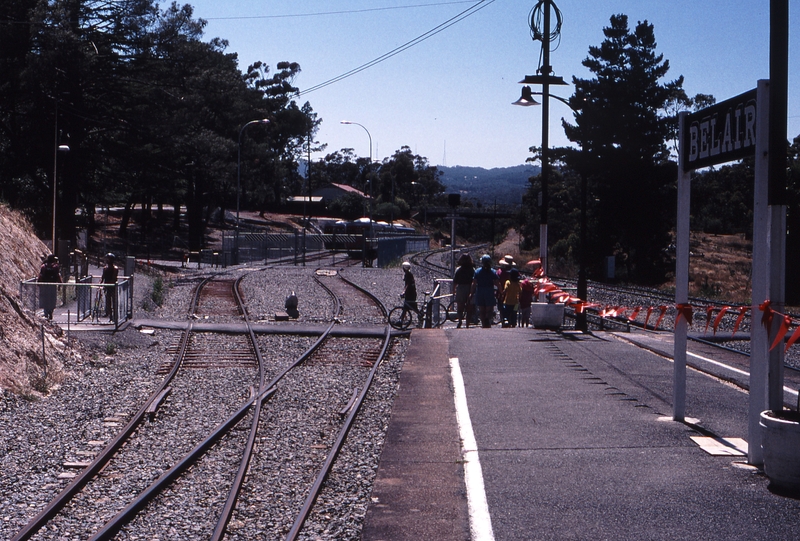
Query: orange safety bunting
[647, 318]
[719, 317]
[709, 311]
[766, 317]
[559, 297]
[786, 321]
[660, 316]
[581, 306]
[635, 313]
[742, 312]
[792, 339]
[684, 310]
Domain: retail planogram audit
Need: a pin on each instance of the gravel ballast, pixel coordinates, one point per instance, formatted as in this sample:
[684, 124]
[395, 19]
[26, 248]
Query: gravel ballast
[112, 374]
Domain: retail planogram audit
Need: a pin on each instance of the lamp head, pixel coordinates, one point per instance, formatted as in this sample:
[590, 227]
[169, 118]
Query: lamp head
[526, 99]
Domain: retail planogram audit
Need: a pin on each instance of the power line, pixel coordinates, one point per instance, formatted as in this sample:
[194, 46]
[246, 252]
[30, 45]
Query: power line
[343, 12]
[416, 41]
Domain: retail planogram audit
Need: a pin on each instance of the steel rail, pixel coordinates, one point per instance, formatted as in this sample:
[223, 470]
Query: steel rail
[100, 461]
[265, 391]
[247, 453]
[338, 444]
[126, 515]
[375, 299]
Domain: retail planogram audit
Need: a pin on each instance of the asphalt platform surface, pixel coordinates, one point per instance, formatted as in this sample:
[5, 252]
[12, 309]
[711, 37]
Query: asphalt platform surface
[575, 441]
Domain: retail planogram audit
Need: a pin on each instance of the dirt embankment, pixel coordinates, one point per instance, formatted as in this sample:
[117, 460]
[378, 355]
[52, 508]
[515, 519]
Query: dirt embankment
[33, 351]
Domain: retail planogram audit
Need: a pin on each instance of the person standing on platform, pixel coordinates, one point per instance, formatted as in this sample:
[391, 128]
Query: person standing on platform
[483, 284]
[462, 284]
[109, 279]
[527, 289]
[409, 294]
[503, 268]
[50, 273]
[511, 290]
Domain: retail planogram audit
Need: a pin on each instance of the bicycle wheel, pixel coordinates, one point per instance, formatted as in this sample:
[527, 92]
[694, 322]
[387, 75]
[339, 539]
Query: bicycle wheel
[439, 316]
[452, 311]
[400, 318]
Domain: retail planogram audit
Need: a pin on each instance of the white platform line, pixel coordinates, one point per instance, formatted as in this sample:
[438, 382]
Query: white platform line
[792, 392]
[480, 522]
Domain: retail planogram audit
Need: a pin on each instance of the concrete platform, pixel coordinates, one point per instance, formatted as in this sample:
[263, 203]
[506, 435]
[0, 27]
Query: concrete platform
[574, 439]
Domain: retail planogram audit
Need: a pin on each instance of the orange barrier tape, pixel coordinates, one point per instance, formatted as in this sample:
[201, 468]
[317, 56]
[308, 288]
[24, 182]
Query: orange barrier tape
[766, 318]
[647, 318]
[709, 311]
[793, 339]
[661, 316]
[786, 321]
[684, 310]
[742, 312]
[719, 317]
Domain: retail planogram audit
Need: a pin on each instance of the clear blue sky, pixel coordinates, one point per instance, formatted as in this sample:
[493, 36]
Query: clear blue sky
[449, 97]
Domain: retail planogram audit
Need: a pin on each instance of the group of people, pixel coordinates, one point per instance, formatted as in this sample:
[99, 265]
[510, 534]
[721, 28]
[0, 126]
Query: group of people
[50, 274]
[484, 288]
[487, 288]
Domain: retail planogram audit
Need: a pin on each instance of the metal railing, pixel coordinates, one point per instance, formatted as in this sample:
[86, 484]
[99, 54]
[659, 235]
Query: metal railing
[81, 300]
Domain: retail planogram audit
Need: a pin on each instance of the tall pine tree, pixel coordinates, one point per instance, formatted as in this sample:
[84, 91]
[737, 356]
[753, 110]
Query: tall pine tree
[622, 131]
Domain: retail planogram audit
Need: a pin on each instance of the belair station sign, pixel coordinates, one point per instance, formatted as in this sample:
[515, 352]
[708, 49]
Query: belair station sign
[731, 130]
[721, 133]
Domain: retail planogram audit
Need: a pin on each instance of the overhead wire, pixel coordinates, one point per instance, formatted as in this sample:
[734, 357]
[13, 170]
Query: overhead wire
[419, 39]
[341, 12]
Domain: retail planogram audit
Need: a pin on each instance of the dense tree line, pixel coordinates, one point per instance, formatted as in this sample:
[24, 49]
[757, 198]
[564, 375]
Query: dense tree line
[153, 117]
[151, 114]
[397, 184]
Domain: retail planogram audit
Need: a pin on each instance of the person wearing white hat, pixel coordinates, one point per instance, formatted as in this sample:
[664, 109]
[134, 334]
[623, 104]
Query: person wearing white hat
[409, 290]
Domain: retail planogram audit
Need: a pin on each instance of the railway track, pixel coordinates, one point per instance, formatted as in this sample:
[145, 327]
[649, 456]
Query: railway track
[182, 457]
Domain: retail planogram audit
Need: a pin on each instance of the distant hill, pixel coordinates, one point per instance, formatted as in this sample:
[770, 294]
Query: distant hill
[505, 185]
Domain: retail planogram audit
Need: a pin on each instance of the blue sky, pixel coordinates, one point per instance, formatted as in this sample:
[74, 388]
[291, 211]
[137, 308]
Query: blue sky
[449, 97]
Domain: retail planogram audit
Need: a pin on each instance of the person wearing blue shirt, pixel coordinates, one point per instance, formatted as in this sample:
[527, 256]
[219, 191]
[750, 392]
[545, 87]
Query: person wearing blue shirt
[483, 294]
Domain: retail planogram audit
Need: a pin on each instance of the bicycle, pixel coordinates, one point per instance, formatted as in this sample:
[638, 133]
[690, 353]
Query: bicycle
[98, 304]
[429, 314]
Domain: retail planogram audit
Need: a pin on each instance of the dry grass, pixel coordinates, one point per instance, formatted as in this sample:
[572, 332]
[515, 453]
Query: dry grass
[719, 267]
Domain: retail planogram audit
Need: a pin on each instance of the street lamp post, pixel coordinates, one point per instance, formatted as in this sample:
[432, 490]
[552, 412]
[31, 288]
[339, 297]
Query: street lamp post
[239, 181]
[57, 148]
[239, 165]
[369, 173]
[527, 99]
[544, 78]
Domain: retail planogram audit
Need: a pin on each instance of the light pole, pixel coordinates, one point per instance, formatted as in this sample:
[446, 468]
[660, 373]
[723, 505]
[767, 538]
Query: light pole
[545, 78]
[239, 184]
[57, 148]
[369, 174]
[239, 167]
[580, 319]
